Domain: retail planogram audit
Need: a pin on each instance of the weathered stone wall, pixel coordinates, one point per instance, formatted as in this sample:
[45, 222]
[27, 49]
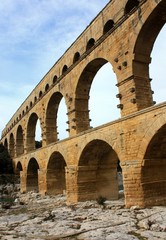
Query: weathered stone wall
[90, 156]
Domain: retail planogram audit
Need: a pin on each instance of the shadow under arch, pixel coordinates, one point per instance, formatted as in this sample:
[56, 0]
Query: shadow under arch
[98, 172]
[19, 141]
[11, 145]
[56, 183]
[82, 93]
[18, 168]
[153, 172]
[32, 176]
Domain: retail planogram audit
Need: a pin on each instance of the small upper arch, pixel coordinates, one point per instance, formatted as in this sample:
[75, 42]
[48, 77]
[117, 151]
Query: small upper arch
[90, 44]
[76, 57]
[64, 69]
[108, 26]
[131, 4]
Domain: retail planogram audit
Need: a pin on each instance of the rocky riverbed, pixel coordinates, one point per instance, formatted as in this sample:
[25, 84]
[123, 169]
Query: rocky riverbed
[31, 216]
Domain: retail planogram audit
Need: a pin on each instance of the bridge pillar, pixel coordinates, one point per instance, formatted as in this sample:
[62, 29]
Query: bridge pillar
[132, 184]
[71, 184]
[42, 181]
[135, 94]
[23, 179]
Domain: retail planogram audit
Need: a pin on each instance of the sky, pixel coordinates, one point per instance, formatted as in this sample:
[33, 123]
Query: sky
[33, 36]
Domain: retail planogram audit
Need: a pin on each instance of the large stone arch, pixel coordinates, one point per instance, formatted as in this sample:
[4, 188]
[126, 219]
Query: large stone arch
[153, 174]
[19, 141]
[31, 129]
[152, 22]
[32, 175]
[55, 177]
[97, 172]
[18, 168]
[82, 119]
[51, 117]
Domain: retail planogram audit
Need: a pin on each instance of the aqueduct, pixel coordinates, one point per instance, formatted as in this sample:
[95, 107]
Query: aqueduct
[85, 163]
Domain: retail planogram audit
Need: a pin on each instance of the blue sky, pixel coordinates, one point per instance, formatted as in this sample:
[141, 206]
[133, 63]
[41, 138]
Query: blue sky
[35, 33]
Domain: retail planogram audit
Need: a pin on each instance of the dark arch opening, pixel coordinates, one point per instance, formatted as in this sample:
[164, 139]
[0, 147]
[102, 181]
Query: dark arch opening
[108, 26]
[46, 87]
[154, 170]
[40, 94]
[56, 183]
[55, 79]
[35, 99]
[131, 4]
[64, 70]
[90, 44]
[11, 145]
[6, 144]
[76, 57]
[18, 168]
[32, 175]
[19, 141]
[31, 104]
[31, 132]
[100, 164]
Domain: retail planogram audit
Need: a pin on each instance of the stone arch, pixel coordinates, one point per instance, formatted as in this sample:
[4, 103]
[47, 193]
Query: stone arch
[51, 117]
[18, 168]
[130, 5]
[97, 171]
[11, 145]
[108, 26]
[56, 183]
[55, 78]
[90, 44]
[6, 143]
[47, 87]
[32, 175]
[82, 93]
[40, 94]
[31, 130]
[153, 175]
[19, 141]
[76, 57]
[64, 69]
[142, 49]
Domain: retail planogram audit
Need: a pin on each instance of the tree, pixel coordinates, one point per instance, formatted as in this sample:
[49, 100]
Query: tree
[6, 166]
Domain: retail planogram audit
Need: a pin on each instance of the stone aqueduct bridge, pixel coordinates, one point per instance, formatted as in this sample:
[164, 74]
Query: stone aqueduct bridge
[85, 163]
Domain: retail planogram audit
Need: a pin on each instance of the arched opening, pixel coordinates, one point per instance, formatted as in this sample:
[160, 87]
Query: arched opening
[31, 132]
[18, 169]
[90, 44]
[11, 145]
[31, 104]
[102, 95]
[6, 144]
[38, 135]
[35, 99]
[64, 69]
[108, 26]
[54, 116]
[98, 172]
[131, 4]
[62, 119]
[55, 79]
[142, 51]
[46, 87]
[32, 175]
[76, 57]
[19, 141]
[99, 71]
[56, 183]
[158, 66]
[154, 170]
[40, 94]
